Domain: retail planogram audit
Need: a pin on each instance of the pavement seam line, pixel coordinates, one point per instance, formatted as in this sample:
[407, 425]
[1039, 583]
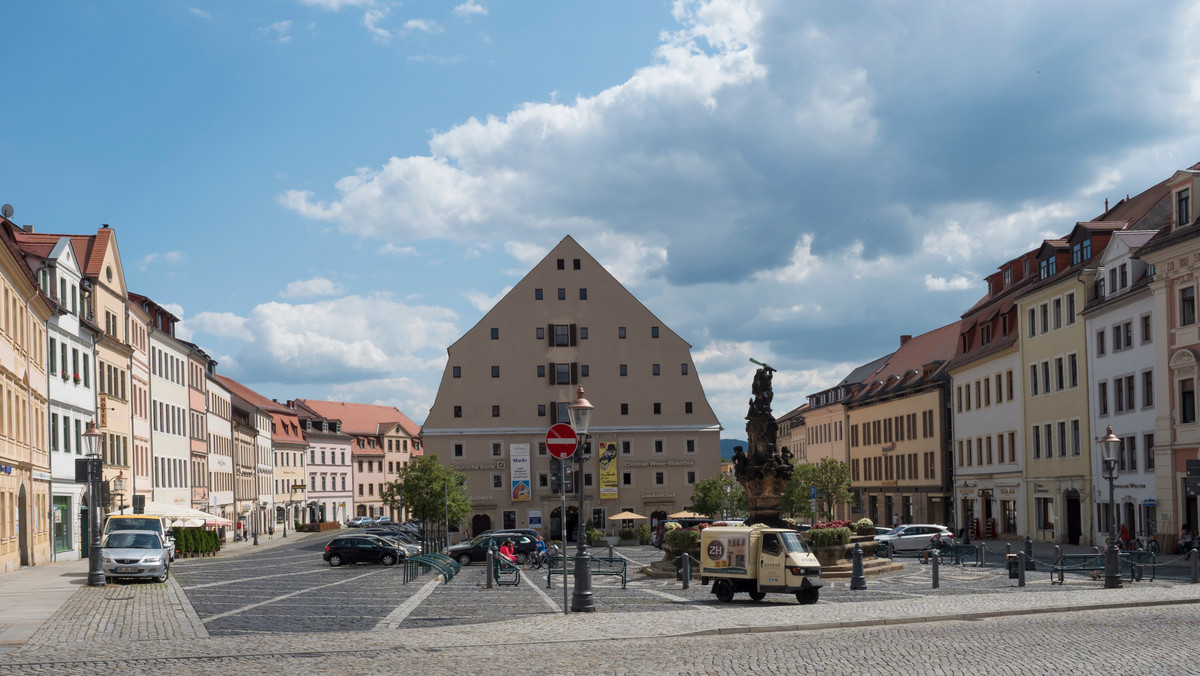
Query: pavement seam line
[289, 595]
[242, 579]
[545, 597]
[395, 618]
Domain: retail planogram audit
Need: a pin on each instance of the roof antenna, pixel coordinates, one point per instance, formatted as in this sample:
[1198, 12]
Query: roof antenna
[1106, 205]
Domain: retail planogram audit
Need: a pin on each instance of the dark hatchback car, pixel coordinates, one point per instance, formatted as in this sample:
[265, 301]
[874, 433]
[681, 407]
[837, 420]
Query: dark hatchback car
[361, 550]
[476, 548]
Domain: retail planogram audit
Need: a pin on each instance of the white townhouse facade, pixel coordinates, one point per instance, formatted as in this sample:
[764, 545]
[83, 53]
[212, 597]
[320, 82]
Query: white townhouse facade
[169, 420]
[219, 416]
[71, 395]
[138, 330]
[1120, 330]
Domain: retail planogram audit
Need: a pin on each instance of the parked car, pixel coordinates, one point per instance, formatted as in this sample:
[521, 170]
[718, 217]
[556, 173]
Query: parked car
[362, 549]
[528, 532]
[476, 548]
[914, 536]
[118, 522]
[383, 521]
[359, 522]
[135, 554]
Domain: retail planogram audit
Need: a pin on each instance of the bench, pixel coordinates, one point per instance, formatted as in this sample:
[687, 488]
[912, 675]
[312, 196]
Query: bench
[505, 572]
[957, 552]
[1079, 563]
[598, 565]
[427, 562]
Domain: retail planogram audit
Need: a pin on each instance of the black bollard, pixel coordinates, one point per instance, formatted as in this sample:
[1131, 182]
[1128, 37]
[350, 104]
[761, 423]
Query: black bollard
[1029, 562]
[491, 571]
[1021, 569]
[857, 579]
[687, 570]
[1195, 558]
[934, 562]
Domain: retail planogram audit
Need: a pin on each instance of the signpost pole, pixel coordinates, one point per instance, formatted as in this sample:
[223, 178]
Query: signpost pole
[561, 442]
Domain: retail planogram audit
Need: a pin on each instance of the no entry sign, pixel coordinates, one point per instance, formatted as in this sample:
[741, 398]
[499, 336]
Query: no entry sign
[560, 441]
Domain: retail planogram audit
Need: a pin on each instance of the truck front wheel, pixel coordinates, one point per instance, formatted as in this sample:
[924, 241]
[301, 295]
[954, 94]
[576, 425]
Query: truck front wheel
[757, 595]
[808, 597]
[724, 590]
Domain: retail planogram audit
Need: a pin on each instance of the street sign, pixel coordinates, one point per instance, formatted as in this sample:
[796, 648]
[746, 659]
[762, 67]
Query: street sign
[560, 441]
[812, 492]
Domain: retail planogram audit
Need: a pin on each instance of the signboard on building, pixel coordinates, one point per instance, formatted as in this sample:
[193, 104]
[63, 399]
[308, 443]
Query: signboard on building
[519, 471]
[608, 470]
[535, 518]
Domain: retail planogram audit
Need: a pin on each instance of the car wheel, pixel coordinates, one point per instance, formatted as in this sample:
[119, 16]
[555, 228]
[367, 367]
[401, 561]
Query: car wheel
[335, 560]
[808, 597]
[723, 590]
[388, 559]
[464, 560]
[165, 574]
[757, 595]
[522, 559]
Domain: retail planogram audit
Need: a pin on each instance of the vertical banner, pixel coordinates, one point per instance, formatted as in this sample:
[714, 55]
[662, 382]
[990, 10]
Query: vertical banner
[608, 470]
[518, 455]
[535, 519]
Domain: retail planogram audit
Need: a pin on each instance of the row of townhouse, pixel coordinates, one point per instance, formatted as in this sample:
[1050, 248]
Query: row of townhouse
[990, 423]
[77, 347]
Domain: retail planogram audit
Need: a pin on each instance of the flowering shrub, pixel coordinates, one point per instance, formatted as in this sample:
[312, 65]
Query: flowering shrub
[680, 540]
[832, 524]
[672, 525]
[826, 537]
[864, 525]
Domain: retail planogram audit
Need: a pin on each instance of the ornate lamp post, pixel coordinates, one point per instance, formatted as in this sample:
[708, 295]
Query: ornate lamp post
[1108, 448]
[581, 418]
[95, 469]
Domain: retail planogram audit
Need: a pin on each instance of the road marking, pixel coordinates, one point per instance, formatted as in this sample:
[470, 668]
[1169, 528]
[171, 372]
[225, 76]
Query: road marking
[252, 606]
[243, 579]
[395, 618]
[545, 597]
[677, 599]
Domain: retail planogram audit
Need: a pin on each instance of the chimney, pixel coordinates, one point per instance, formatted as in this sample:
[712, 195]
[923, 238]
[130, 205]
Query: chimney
[27, 228]
[904, 339]
[1106, 205]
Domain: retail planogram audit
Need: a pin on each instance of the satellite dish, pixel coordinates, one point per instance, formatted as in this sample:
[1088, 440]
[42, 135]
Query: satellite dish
[6, 211]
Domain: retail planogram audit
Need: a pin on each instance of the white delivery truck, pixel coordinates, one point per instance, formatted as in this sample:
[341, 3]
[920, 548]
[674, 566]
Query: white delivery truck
[758, 561]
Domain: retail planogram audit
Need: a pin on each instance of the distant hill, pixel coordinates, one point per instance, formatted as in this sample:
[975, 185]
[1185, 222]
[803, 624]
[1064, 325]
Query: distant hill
[727, 448]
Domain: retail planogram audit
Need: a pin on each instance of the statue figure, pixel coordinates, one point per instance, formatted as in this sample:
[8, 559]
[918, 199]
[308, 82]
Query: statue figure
[765, 470]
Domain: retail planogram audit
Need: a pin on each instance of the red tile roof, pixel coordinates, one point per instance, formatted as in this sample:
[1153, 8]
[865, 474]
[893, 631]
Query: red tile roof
[362, 419]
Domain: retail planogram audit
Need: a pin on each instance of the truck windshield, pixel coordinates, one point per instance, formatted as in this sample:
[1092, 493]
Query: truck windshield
[793, 542]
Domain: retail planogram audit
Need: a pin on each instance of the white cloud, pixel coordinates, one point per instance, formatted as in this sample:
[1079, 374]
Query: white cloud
[371, 19]
[337, 5]
[484, 302]
[200, 13]
[307, 288]
[221, 324]
[956, 283]
[280, 31]
[171, 257]
[469, 8]
[422, 25]
[394, 250]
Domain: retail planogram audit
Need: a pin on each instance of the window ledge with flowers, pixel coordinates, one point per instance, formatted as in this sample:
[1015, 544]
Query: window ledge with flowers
[66, 374]
[77, 378]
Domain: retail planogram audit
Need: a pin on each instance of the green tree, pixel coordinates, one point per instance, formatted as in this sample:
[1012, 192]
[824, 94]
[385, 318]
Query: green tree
[832, 480]
[719, 496]
[429, 491]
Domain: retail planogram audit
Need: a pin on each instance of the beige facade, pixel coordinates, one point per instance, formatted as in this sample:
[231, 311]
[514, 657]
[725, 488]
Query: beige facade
[113, 353]
[25, 509]
[567, 324]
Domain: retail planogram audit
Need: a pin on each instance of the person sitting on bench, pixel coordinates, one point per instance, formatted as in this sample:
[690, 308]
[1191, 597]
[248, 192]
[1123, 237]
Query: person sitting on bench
[935, 544]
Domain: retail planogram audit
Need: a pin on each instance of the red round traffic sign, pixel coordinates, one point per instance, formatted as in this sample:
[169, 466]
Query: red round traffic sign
[560, 441]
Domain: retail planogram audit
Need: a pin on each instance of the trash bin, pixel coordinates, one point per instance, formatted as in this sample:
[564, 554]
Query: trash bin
[1012, 566]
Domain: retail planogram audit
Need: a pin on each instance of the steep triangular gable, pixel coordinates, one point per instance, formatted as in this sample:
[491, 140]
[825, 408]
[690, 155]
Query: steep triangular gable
[104, 264]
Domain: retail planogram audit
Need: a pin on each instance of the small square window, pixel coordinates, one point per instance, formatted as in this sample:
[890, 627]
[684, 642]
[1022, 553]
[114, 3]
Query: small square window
[495, 371]
[583, 370]
[621, 332]
[540, 333]
[497, 449]
[683, 371]
[497, 481]
[654, 369]
[457, 371]
[458, 450]
[626, 447]
[541, 448]
[541, 369]
[691, 477]
[543, 481]
[583, 333]
[575, 263]
[495, 334]
[495, 411]
[583, 294]
[687, 407]
[587, 479]
[537, 294]
[624, 409]
[657, 408]
[624, 369]
[627, 478]
[659, 478]
[658, 445]
[690, 446]
[653, 331]
[541, 410]
[458, 411]
[562, 294]
[562, 264]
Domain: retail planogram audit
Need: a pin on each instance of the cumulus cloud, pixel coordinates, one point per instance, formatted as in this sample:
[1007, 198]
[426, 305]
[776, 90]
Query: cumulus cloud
[954, 284]
[484, 302]
[371, 19]
[469, 8]
[170, 257]
[280, 31]
[221, 324]
[421, 26]
[307, 288]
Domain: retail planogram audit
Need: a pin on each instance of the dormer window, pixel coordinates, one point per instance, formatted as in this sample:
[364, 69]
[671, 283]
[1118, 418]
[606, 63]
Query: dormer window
[1183, 208]
[1081, 251]
[1007, 277]
[1049, 268]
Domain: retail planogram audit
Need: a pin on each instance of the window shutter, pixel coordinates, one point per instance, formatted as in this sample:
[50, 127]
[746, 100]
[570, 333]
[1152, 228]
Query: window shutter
[574, 373]
[553, 413]
[550, 372]
[572, 338]
[550, 335]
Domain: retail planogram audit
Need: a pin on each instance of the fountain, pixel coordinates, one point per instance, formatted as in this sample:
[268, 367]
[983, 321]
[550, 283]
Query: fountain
[763, 471]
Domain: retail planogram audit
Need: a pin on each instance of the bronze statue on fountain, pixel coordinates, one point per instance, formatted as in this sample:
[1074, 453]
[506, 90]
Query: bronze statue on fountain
[765, 470]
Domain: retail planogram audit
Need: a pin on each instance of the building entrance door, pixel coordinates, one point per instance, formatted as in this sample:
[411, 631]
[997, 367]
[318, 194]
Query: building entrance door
[480, 523]
[23, 526]
[1074, 518]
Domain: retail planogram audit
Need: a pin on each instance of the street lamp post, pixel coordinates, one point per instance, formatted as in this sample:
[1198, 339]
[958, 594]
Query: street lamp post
[581, 418]
[95, 469]
[1108, 447]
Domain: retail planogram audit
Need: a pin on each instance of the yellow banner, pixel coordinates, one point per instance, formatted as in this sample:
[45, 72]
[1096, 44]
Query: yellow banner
[608, 470]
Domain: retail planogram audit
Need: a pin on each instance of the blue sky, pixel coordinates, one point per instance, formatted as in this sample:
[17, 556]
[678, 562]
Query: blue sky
[330, 192]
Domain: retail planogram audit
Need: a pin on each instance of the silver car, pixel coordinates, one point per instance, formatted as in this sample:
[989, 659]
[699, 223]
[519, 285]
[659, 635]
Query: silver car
[914, 536]
[135, 554]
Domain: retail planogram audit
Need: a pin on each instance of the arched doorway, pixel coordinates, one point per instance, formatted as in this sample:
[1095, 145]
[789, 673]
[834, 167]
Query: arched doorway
[361, 510]
[480, 523]
[572, 524]
[23, 525]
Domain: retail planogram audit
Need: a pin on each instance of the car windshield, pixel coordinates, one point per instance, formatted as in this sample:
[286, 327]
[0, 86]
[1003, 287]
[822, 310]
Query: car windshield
[793, 542]
[147, 523]
[132, 541]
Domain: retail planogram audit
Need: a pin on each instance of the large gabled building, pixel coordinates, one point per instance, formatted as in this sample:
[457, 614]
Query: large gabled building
[570, 323]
